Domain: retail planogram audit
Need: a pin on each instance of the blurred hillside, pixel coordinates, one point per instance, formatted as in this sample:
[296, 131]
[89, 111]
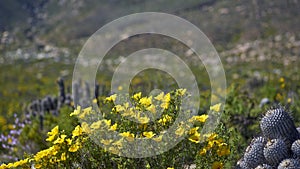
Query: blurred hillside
[67, 23]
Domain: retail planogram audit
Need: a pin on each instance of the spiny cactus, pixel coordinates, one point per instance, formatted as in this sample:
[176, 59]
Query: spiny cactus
[277, 123]
[260, 139]
[283, 143]
[289, 164]
[296, 148]
[298, 129]
[254, 154]
[275, 151]
[242, 165]
[264, 166]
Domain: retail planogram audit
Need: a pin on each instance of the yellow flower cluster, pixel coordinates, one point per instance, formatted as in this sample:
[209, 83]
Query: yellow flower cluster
[214, 144]
[15, 164]
[201, 118]
[194, 135]
[111, 98]
[165, 119]
[63, 146]
[165, 100]
[54, 154]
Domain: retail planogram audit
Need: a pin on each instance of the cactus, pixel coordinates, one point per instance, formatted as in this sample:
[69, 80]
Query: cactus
[76, 93]
[45, 104]
[296, 148]
[254, 154]
[289, 164]
[275, 151]
[242, 165]
[260, 139]
[61, 94]
[277, 123]
[264, 166]
[298, 129]
[278, 127]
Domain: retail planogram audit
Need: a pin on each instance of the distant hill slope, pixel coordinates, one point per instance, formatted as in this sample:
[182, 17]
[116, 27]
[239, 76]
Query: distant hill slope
[225, 22]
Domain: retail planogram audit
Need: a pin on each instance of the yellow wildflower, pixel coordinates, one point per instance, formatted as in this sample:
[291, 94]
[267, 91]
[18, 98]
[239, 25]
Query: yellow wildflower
[15, 164]
[217, 165]
[143, 120]
[151, 108]
[74, 147]
[111, 98]
[203, 151]
[170, 168]
[106, 142]
[166, 101]
[158, 139]
[160, 96]
[119, 108]
[146, 101]
[77, 131]
[137, 96]
[37, 165]
[86, 111]
[201, 118]
[180, 92]
[129, 136]
[165, 105]
[63, 157]
[149, 134]
[107, 122]
[281, 80]
[85, 127]
[52, 134]
[60, 139]
[50, 151]
[195, 137]
[114, 127]
[211, 136]
[216, 107]
[76, 111]
[166, 119]
[126, 105]
[96, 124]
[128, 112]
[193, 130]
[179, 131]
[167, 98]
[69, 141]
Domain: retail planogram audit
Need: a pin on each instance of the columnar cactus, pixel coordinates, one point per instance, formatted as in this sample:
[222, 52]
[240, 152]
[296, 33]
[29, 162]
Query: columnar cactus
[76, 94]
[277, 123]
[289, 164]
[275, 151]
[61, 94]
